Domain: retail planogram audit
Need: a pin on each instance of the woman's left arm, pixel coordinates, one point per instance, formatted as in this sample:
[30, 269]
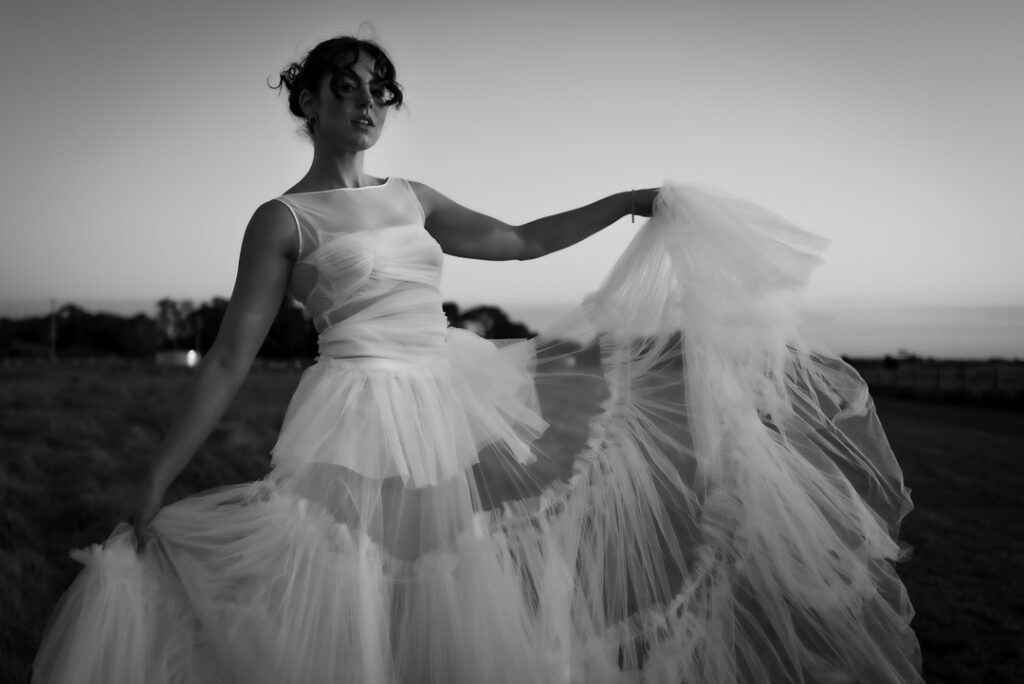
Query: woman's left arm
[466, 233]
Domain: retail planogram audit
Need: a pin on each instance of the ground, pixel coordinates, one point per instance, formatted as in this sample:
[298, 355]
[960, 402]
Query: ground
[73, 440]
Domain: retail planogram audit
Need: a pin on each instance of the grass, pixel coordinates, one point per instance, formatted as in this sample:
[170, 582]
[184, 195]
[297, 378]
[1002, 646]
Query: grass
[73, 441]
[965, 466]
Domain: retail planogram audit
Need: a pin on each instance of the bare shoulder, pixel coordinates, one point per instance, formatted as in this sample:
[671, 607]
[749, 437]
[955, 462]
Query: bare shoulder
[273, 227]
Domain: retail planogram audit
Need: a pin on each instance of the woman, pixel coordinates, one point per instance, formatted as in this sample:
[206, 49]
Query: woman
[731, 509]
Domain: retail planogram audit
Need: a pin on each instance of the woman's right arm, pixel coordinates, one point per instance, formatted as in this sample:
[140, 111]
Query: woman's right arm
[268, 251]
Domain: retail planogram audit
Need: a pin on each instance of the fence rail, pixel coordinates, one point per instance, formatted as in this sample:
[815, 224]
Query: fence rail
[970, 380]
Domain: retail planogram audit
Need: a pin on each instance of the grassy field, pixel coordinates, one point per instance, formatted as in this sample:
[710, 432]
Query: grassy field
[965, 466]
[73, 440]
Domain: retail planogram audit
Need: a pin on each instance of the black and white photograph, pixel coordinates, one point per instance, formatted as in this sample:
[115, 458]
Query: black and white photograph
[477, 342]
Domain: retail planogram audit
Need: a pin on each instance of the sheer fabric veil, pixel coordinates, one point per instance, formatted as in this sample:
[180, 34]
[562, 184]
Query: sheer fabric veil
[669, 485]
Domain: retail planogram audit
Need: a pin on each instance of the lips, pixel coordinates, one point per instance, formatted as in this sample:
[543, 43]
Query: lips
[364, 121]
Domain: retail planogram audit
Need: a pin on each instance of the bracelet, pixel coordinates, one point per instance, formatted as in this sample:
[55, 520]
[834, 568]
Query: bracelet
[632, 206]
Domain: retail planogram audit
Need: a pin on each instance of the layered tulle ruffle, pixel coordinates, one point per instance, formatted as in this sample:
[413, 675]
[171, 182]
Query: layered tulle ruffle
[731, 515]
[424, 420]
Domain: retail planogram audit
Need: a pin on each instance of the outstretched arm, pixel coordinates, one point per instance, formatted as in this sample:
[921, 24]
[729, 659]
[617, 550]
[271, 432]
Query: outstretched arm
[467, 233]
[264, 265]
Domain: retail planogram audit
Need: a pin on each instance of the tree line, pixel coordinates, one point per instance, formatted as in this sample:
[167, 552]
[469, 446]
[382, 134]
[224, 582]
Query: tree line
[72, 332]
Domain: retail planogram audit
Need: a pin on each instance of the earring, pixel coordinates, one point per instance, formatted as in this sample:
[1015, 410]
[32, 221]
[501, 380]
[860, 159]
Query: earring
[312, 121]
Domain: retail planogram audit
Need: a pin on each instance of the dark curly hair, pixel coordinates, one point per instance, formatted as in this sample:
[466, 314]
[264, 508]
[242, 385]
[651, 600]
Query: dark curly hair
[332, 57]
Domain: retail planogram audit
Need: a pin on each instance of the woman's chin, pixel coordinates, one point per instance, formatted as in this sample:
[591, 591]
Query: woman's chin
[357, 143]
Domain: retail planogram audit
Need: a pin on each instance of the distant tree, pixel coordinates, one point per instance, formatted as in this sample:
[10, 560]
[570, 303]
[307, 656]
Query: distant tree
[906, 356]
[108, 334]
[203, 324]
[291, 335]
[186, 336]
[25, 338]
[494, 324]
[73, 338]
[451, 312]
[182, 325]
[170, 322]
[79, 333]
[142, 335]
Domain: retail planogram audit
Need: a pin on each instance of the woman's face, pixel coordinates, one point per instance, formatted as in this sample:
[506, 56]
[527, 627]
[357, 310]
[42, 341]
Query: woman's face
[351, 114]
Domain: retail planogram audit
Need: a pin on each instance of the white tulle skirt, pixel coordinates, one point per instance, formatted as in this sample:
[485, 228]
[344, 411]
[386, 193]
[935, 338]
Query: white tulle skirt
[713, 502]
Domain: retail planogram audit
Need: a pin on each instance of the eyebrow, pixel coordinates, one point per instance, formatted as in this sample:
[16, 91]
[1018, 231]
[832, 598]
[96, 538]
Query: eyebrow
[349, 71]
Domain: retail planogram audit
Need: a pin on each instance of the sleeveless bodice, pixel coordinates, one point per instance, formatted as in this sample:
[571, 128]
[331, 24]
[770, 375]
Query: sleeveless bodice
[395, 391]
[368, 272]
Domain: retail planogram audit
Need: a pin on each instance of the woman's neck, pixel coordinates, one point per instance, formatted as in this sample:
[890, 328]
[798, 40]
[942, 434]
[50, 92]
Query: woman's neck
[329, 169]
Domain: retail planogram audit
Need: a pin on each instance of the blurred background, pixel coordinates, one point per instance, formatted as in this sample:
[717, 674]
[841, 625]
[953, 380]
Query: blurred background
[137, 138]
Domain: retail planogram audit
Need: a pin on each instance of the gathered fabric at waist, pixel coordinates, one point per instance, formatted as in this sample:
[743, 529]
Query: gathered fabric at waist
[400, 342]
[397, 412]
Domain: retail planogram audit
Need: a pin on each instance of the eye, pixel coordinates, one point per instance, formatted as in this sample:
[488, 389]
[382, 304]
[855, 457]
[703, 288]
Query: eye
[342, 85]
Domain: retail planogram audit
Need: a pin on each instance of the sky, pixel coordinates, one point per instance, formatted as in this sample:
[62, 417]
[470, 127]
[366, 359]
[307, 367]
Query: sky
[137, 138]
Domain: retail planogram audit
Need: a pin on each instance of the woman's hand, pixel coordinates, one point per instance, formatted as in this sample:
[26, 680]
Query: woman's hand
[643, 201]
[148, 501]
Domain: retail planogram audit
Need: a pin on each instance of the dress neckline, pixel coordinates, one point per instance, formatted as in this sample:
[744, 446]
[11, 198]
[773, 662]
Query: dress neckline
[387, 181]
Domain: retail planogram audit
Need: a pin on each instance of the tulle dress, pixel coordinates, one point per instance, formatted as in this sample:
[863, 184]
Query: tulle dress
[669, 486]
